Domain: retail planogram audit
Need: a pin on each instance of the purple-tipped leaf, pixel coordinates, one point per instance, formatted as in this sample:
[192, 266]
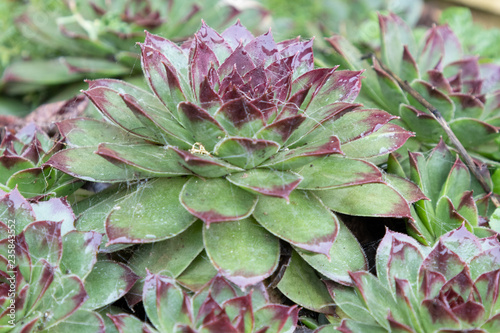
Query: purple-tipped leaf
[242, 251]
[314, 231]
[216, 200]
[246, 153]
[158, 216]
[203, 164]
[341, 172]
[266, 181]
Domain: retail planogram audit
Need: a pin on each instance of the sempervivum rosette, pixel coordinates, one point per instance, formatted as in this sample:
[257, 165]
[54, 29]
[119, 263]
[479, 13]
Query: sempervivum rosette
[452, 287]
[245, 135]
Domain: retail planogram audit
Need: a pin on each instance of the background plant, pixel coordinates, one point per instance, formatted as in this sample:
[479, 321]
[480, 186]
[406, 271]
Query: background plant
[450, 288]
[59, 281]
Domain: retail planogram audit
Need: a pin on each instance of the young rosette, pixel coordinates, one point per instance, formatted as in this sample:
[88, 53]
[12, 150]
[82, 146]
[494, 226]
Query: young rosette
[455, 196]
[463, 88]
[50, 278]
[452, 287]
[217, 307]
[245, 135]
[22, 155]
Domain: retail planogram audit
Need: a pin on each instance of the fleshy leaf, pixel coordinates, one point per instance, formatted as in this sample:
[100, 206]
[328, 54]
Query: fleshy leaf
[44, 241]
[169, 257]
[216, 200]
[201, 124]
[338, 266]
[341, 172]
[84, 164]
[65, 295]
[444, 261]
[157, 216]
[301, 284]
[79, 252]
[302, 221]
[294, 158]
[267, 181]
[386, 140]
[126, 323]
[81, 321]
[165, 303]
[82, 132]
[202, 164]
[246, 153]
[240, 118]
[162, 78]
[242, 251]
[277, 318]
[108, 281]
[366, 200]
[145, 158]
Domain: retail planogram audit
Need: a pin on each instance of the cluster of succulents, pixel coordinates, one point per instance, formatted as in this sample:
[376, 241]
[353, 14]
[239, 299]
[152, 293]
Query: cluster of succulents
[452, 287]
[454, 196]
[23, 154]
[217, 307]
[232, 174]
[51, 279]
[464, 90]
[245, 135]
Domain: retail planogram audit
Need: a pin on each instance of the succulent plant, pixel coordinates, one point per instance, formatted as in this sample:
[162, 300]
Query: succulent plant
[217, 307]
[50, 278]
[455, 197]
[23, 154]
[452, 287]
[243, 134]
[96, 38]
[463, 89]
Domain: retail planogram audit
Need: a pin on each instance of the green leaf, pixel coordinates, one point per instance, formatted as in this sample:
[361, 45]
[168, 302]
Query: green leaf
[424, 125]
[79, 252]
[81, 321]
[171, 256]
[126, 323]
[457, 183]
[83, 132]
[366, 200]
[202, 164]
[9, 165]
[84, 164]
[301, 284]
[244, 152]
[350, 302]
[438, 99]
[473, 132]
[336, 171]
[242, 251]
[377, 298]
[145, 158]
[216, 200]
[406, 188]
[165, 303]
[65, 295]
[267, 181]
[384, 141]
[112, 106]
[302, 221]
[274, 318]
[30, 182]
[339, 265]
[198, 273]
[44, 241]
[359, 123]
[108, 281]
[150, 214]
